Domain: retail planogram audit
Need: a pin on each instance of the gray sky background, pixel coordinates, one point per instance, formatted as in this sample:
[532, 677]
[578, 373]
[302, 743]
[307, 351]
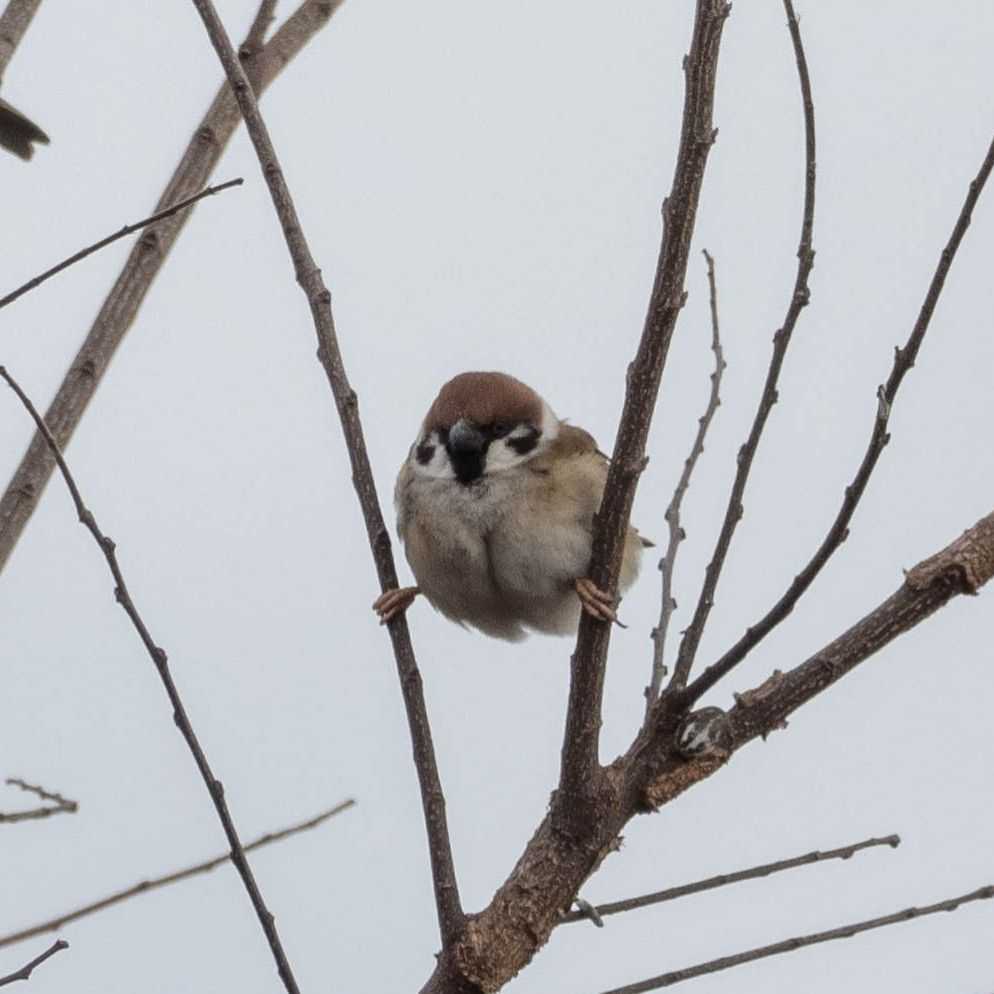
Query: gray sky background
[481, 184]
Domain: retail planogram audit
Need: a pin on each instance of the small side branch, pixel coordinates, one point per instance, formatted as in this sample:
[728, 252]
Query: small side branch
[781, 340]
[58, 805]
[128, 229]
[672, 516]
[448, 906]
[25, 971]
[722, 880]
[153, 883]
[800, 941]
[161, 662]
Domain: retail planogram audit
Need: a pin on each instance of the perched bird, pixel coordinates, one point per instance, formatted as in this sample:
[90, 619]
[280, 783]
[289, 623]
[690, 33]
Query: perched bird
[17, 133]
[495, 505]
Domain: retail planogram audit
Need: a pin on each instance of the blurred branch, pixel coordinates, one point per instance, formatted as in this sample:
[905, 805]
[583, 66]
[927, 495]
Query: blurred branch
[158, 656]
[109, 239]
[781, 340]
[121, 306]
[25, 971]
[14, 22]
[448, 906]
[755, 872]
[59, 804]
[17, 132]
[904, 359]
[799, 942]
[170, 878]
[672, 516]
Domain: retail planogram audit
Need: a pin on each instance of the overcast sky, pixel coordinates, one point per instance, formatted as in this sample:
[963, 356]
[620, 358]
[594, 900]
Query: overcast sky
[481, 184]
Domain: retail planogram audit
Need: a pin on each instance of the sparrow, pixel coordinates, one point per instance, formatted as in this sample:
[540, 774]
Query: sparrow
[495, 507]
[17, 133]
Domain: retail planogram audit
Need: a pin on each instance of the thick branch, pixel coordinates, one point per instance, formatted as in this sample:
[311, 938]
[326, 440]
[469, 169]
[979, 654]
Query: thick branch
[723, 879]
[25, 971]
[904, 359]
[144, 262]
[449, 909]
[145, 886]
[781, 340]
[158, 656]
[579, 777]
[59, 804]
[799, 942]
[672, 516]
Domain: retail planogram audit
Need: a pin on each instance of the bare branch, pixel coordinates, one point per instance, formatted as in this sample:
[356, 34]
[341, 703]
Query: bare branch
[799, 942]
[25, 971]
[17, 132]
[256, 36]
[158, 655]
[904, 359]
[120, 308]
[60, 804]
[14, 22]
[144, 886]
[449, 908]
[109, 239]
[580, 776]
[755, 872]
[781, 340]
[672, 516]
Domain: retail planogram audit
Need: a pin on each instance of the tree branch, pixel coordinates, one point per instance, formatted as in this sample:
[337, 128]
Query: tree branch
[121, 306]
[25, 971]
[109, 239]
[711, 883]
[799, 942]
[14, 22]
[672, 516]
[144, 886]
[17, 132]
[781, 340]
[158, 655]
[904, 359]
[580, 776]
[448, 906]
[59, 804]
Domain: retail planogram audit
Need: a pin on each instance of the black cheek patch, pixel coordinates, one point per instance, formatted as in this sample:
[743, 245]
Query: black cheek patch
[424, 453]
[525, 443]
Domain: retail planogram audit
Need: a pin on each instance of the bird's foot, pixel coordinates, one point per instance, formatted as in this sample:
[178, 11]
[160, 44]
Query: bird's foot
[596, 602]
[393, 602]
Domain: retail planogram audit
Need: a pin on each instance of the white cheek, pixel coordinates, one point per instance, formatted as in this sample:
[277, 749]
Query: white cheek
[438, 467]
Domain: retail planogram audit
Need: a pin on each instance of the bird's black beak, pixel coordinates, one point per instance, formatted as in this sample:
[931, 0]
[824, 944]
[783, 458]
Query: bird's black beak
[467, 448]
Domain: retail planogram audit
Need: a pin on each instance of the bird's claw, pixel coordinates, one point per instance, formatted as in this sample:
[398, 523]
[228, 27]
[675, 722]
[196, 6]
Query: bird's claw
[393, 602]
[596, 602]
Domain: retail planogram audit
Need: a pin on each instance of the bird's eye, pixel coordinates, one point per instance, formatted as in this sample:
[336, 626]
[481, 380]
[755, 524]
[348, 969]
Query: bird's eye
[501, 428]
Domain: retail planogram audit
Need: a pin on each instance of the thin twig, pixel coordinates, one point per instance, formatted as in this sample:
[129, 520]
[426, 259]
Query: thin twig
[158, 655]
[154, 883]
[256, 36]
[580, 774]
[14, 22]
[904, 359]
[119, 309]
[449, 908]
[672, 516]
[781, 340]
[60, 804]
[764, 870]
[104, 242]
[25, 971]
[799, 942]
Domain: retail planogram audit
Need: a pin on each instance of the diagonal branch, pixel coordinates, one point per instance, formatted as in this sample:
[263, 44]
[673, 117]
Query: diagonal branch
[25, 971]
[59, 803]
[904, 359]
[448, 906]
[672, 516]
[145, 886]
[799, 942]
[579, 776]
[722, 880]
[151, 250]
[158, 656]
[14, 22]
[128, 229]
[781, 340]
